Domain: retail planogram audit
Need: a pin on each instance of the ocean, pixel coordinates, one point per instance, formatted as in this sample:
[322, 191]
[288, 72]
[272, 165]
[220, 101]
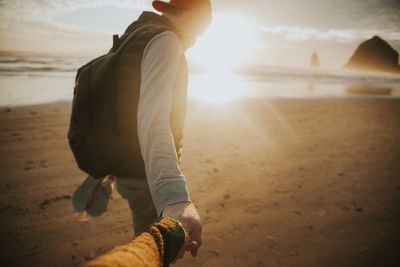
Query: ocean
[33, 79]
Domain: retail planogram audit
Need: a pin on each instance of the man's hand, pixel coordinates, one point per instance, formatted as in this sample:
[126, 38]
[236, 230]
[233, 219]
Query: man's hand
[186, 213]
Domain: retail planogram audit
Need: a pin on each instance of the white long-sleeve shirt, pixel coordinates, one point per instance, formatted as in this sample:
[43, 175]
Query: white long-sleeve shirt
[160, 64]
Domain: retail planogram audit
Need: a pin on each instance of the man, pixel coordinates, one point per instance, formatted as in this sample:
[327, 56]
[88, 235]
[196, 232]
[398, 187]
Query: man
[161, 105]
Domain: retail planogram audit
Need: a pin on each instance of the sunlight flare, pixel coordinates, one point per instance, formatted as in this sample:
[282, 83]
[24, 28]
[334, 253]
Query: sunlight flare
[229, 42]
[217, 86]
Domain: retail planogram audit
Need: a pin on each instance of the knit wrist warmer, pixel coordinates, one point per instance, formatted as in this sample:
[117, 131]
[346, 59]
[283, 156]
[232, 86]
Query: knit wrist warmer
[170, 236]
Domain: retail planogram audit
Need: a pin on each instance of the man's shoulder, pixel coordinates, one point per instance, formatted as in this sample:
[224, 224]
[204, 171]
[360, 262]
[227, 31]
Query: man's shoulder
[167, 37]
[167, 41]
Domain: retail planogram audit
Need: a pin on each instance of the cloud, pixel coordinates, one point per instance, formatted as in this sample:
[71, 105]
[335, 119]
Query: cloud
[48, 17]
[48, 10]
[38, 25]
[293, 20]
[297, 33]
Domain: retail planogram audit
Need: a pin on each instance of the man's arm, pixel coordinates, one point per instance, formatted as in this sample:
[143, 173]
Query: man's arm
[160, 65]
[167, 184]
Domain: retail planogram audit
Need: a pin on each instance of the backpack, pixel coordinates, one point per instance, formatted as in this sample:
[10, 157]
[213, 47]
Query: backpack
[92, 133]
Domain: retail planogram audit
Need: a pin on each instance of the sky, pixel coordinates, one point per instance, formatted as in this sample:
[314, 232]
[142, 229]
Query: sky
[284, 32]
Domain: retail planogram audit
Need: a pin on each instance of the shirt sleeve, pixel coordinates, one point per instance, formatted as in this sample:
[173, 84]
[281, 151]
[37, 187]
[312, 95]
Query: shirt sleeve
[159, 69]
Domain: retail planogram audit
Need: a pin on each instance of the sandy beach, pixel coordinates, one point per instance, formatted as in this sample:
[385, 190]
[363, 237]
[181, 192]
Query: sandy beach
[281, 182]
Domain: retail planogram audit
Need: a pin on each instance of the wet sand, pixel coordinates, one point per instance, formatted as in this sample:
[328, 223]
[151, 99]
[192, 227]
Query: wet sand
[289, 182]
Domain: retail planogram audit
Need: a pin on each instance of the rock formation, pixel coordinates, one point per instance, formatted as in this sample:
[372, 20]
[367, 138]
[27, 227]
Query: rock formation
[375, 54]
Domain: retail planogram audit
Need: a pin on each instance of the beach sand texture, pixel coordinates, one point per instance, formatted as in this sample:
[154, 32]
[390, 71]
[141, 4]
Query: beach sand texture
[283, 182]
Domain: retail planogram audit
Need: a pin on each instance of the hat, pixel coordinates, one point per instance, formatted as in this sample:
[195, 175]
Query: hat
[181, 4]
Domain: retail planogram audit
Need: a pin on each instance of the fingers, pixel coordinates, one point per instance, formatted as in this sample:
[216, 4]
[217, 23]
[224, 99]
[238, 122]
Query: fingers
[187, 247]
[187, 214]
[194, 252]
[196, 236]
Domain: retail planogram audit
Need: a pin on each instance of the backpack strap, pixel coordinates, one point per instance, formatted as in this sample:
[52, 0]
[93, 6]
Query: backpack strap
[118, 46]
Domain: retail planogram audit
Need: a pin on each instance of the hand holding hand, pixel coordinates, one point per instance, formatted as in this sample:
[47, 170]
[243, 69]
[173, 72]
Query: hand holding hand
[186, 213]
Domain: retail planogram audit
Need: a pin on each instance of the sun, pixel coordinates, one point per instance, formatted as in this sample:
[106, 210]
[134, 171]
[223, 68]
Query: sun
[229, 43]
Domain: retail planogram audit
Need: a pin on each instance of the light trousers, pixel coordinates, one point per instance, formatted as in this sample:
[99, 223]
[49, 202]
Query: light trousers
[136, 191]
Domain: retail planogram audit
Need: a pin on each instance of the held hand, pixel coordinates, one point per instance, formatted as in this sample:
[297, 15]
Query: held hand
[187, 214]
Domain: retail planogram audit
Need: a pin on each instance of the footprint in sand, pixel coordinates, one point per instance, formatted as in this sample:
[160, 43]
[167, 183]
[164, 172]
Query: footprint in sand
[43, 164]
[21, 211]
[209, 161]
[74, 243]
[30, 164]
[213, 252]
[271, 242]
[275, 203]
[255, 209]
[357, 207]
[90, 257]
[47, 202]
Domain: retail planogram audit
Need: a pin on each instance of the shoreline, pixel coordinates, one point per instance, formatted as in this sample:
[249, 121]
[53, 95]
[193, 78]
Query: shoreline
[360, 97]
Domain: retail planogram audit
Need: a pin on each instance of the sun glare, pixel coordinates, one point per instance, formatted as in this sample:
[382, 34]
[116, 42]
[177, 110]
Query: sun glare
[229, 42]
[217, 87]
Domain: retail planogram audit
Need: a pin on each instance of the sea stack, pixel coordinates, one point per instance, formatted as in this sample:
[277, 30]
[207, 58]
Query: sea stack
[314, 61]
[375, 54]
